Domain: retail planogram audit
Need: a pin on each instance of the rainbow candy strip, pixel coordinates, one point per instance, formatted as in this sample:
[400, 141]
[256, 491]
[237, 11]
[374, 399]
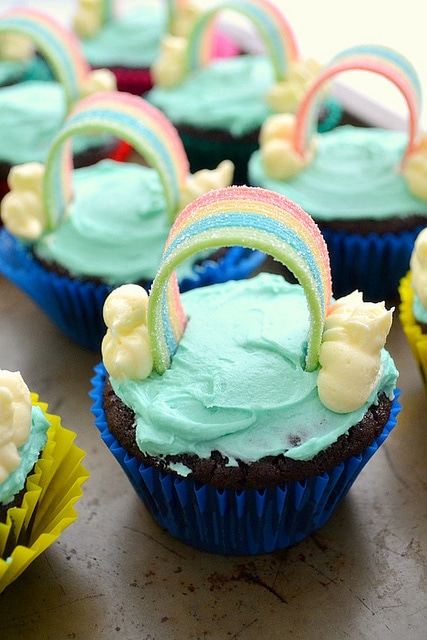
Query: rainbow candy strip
[377, 59]
[273, 28]
[109, 10]
[172, 8]
[57, 44]
[130, 118]
[250, 217]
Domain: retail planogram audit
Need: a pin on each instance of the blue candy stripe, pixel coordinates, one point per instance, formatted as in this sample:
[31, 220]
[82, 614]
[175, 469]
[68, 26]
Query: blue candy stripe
[163, 340]
[241, 219]
[268, 32]
[52, 49]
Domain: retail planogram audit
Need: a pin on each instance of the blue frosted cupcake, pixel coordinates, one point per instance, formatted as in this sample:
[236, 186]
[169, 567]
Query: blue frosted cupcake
[32, 112]
[361, 185]
[127, 41]
[41, 476]
[219, 107]
[69, 237]
[240, 412]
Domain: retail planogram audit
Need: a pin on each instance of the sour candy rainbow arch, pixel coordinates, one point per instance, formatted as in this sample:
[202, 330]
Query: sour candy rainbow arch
[57, 44]
[377, 59]
[130, 118]
[108, 10]
[270, 22]
[247, 216]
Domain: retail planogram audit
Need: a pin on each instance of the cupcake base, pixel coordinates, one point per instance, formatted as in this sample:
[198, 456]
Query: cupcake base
[47, 506]
[206, 148]
[231, 521]
[76, 306]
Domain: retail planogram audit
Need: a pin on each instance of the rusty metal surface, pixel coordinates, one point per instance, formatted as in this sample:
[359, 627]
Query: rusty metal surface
[114, 573]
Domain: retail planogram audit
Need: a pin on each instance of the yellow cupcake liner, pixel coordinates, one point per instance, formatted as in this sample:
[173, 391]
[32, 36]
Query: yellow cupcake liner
[48, 503]
[416, 338]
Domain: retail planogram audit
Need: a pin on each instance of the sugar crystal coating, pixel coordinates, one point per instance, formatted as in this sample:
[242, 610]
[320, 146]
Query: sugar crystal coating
[246, 216]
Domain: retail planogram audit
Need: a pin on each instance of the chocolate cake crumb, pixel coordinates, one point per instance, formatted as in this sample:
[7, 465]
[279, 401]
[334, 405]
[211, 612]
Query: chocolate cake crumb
[268, 471]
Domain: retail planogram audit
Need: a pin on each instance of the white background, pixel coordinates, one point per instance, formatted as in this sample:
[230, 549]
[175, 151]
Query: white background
[323, 28]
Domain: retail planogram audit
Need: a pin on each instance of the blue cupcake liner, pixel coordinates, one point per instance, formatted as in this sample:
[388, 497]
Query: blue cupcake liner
[372, 263]
[76, 306]
[236, 522]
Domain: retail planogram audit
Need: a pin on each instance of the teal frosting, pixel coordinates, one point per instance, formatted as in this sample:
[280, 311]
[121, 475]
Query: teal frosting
[419, 311]
[117, 224]
[354, 175]
[237, 382]
[29, 452]
[31, 114]
[11, 70]
[131, 40]
[228, 94]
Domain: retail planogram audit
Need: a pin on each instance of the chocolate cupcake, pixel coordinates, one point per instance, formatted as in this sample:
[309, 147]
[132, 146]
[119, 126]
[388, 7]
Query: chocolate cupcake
[70, 237]
[360, 184]
[219, 106]
[32, 112]
[240, 411]
[127, 41]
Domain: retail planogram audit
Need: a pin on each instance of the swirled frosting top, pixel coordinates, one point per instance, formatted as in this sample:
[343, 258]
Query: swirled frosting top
[27, 133]
[227, 94]
[132, 39]
[23, 434]
[95, 240]
[354, 174]
[250, 395]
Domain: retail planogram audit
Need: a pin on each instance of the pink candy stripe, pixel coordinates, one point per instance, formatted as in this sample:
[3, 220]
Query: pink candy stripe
[306, 111]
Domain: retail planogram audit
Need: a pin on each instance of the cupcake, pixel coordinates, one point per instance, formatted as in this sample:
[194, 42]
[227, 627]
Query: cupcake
[243, 412]
[128, 41]
[32, 112]
[70, 237]
[40, 477]
[218, 108]
[360, 184]
[413, 303]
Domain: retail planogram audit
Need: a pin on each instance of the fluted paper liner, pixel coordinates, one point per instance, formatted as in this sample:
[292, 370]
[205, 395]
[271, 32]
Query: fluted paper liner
[76, 306]
[416, 338]
[237, 522]
[48, 504]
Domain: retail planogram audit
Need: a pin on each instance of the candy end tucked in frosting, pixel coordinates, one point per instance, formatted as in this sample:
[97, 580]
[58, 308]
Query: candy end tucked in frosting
[15, 420]
[183, 17]
[418, 266]
[350, 354]
[22, 209]
[126, 348]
